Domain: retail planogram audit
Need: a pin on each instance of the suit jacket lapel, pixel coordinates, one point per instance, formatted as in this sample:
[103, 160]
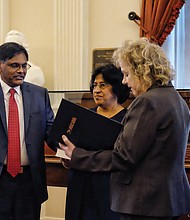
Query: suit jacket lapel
[26, 94]
[2, 110]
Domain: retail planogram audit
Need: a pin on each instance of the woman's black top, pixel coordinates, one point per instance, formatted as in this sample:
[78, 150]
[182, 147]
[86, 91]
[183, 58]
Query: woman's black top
[88, 193]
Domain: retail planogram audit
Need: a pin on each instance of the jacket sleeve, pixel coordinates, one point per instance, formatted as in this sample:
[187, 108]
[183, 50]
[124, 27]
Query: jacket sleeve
[49, 122]
[131, 146]
[92, 161]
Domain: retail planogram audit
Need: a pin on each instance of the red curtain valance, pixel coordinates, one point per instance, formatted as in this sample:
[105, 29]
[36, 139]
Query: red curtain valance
[158, 18]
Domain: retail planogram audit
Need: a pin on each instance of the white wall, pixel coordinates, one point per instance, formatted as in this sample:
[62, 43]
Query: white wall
[54, 207]
[35, 19]
[108, 26]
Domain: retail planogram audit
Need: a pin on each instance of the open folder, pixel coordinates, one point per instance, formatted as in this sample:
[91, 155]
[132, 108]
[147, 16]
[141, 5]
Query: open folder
[84, 127]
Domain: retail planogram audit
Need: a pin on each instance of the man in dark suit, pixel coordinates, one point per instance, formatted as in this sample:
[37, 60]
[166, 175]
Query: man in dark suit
[21, 194]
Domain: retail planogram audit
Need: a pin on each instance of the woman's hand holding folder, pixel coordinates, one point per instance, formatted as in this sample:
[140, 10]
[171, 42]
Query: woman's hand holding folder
[68, 147]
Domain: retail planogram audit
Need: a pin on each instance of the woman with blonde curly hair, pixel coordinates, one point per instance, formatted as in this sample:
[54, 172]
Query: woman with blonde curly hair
[148, 63]
[148, 179]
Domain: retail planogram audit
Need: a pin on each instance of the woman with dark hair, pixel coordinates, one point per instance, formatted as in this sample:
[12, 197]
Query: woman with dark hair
[109, 92]
[87, 192]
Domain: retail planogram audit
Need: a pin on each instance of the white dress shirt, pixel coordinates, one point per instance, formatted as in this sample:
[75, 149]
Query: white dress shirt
[19, 101]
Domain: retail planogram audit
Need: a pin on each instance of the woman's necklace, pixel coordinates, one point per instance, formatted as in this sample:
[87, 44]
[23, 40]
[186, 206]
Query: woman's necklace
[109, 113]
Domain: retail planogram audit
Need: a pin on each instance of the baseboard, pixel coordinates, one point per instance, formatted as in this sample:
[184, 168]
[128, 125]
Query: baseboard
[51, 218]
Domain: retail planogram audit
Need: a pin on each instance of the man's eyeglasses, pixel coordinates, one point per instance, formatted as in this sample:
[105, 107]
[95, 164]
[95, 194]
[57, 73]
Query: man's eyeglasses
[16, 66]
[101, 86]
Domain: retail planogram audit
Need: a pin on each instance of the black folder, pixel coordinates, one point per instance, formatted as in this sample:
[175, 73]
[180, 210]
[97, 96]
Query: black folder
[84, 127]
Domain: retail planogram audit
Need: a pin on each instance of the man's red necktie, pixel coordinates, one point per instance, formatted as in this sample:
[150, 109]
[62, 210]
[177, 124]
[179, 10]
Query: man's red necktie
[13, 157]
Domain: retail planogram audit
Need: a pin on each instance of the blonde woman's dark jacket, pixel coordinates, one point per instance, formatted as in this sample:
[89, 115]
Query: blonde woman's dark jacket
[149, 177]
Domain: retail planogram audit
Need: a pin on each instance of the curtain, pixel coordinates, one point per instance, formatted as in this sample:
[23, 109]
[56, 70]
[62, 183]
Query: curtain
[177, 48]
[158, 18]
